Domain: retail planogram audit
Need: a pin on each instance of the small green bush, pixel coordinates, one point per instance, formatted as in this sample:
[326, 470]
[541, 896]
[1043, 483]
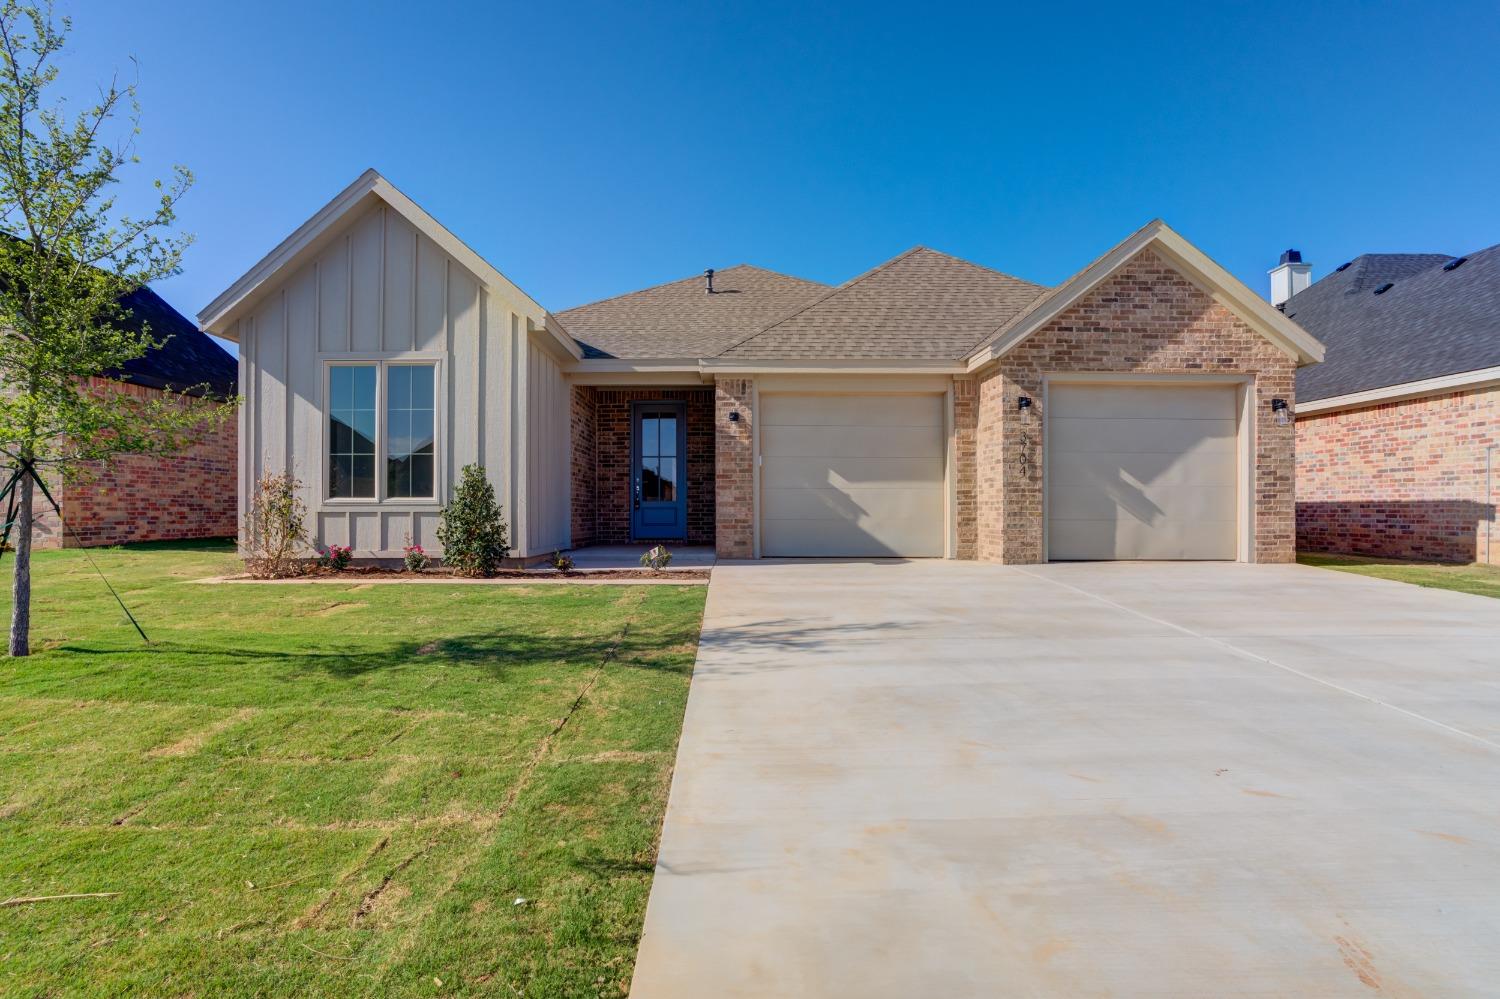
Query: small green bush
[472, 531]
[657, 558]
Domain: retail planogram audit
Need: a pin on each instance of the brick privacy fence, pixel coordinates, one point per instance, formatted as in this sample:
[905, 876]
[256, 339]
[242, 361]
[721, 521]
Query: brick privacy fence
[147, 497]
[1145, 319]
[1401, 479]
[601, 419]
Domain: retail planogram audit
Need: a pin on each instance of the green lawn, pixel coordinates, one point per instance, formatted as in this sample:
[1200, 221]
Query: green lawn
[336, 790]
[1481, 579]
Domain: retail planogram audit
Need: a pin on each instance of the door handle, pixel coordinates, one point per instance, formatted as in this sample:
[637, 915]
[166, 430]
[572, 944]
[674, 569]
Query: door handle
[637, 494]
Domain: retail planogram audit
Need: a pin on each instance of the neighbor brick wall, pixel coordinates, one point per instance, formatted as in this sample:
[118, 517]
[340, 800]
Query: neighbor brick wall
[191, 494]
[1146, 319]
[965, 473]
[601, 462]
[1401, 479]
[734, 468]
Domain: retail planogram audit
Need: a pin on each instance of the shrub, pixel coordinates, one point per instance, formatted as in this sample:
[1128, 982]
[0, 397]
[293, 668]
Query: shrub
[336, 557]
[472, 530]
[562, 563]
[657, 558]
[414, 556]
[274, 536]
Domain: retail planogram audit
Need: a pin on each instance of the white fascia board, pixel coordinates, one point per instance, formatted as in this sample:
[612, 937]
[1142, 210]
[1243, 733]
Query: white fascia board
[1225, 288]
[219, 315]
[1478, 378]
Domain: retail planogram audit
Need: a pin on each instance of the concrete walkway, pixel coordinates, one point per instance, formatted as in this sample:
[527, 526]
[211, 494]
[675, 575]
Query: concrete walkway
[951, 779]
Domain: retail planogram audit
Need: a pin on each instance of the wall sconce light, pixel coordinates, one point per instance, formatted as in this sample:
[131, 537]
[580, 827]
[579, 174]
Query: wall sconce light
[734, 416]
[1024, 405]
[1281, 411]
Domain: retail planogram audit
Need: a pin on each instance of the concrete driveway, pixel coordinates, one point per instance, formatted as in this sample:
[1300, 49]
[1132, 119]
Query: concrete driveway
[951, 779]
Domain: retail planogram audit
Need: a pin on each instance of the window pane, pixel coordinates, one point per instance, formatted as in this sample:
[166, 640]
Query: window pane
[648, 437]
[667, 473]
[351, 431]
[409, 461]
[650, 481]
[668, 444]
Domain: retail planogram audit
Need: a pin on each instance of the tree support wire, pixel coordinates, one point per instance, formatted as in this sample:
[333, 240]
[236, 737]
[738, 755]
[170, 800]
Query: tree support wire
[25, 467]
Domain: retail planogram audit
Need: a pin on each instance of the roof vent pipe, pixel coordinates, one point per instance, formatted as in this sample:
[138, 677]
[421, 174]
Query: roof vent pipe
[708, 281]
[1288, 277]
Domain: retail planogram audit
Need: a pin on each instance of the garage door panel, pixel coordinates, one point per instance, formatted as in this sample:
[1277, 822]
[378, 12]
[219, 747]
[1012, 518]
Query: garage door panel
[843, 472]
[860, 505]
[866, 442]
[1124, 501]
[1161, 435]
[1123, 402]
[845, 538]
[849, 411]
[1168, 471]
[853, 475]
[1142, 472]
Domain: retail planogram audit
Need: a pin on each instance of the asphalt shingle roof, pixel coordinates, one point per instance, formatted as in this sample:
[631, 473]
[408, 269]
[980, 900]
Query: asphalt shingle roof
[188, 360]
[1430, 323]
[679, 320]
[920, 305]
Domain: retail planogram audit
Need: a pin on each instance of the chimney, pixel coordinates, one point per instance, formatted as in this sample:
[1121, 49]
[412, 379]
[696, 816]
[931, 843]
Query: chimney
[1289, 277]
[708, 281]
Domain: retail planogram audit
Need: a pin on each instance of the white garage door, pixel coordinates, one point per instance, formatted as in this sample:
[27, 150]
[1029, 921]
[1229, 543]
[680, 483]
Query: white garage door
[857, 475]
[1141, 472]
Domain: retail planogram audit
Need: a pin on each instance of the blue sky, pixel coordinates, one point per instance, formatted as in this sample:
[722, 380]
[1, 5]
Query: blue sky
[590, 150]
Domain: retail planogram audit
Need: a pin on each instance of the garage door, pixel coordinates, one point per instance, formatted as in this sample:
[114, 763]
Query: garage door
[1141, 472]
[858, 475]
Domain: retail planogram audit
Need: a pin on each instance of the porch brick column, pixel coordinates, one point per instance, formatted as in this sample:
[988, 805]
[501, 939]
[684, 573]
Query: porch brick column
[965, 467]
[734, 469]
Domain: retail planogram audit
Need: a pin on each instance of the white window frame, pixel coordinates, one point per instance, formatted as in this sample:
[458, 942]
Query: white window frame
[381, 362]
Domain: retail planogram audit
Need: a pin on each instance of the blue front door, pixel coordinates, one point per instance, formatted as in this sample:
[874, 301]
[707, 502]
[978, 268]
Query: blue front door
[658, 471]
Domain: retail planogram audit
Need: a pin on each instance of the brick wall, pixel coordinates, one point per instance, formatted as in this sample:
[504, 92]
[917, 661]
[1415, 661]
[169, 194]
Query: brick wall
[601, 471]
[1402, 479]
[149, 498]
[584, 414]
[1146, 319]
[965, 472]
[734, 468]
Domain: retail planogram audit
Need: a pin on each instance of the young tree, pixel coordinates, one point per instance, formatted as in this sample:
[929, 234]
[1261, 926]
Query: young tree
[68, 254]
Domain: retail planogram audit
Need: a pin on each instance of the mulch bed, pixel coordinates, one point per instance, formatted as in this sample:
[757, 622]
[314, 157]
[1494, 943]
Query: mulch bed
[377, 572]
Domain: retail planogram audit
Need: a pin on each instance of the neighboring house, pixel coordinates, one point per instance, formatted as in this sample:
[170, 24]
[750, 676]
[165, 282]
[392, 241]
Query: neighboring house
[154, 497]
[1398, 431]
[927, 408]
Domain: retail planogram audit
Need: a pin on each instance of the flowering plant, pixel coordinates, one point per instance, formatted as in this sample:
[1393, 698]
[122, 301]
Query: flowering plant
[336, 557]
[415, 558]
[657, 558]
[562, 563]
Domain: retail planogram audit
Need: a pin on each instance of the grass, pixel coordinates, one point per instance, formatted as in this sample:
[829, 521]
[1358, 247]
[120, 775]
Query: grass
[1473, 578]
[335, 790]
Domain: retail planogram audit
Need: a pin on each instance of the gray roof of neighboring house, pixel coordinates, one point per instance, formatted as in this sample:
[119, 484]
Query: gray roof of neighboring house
[187, 360]
[679, 319]
[920, 305]
[1430, 322]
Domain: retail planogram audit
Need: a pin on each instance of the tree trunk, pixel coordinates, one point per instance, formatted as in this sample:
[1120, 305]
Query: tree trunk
[20, 611]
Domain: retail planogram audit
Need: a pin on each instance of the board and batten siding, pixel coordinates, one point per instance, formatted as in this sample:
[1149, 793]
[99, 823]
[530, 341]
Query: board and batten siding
[379, 289]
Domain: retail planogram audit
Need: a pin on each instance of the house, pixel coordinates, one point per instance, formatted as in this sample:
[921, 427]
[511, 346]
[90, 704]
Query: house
[140, 497]
[1398, 431]
[929, 407]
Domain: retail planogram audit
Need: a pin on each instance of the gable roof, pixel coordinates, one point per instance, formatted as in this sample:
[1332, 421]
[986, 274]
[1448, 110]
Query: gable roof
[680, 320]
[218, 316]
[1428, 324]
[187, 360]
[921, 304]
[1189, 261]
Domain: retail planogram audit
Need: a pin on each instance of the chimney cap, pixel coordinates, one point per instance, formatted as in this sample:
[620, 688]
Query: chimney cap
[1291, 257]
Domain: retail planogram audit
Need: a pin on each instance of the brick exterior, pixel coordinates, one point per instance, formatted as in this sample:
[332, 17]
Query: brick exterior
[966, 478]
[1402, 479]
[734, 468]
[1145, 319]
[148, 498]
[601, 419]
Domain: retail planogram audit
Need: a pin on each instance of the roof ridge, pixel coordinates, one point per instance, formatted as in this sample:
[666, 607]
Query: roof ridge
[822, 298]
[978, 266]
[690, 277]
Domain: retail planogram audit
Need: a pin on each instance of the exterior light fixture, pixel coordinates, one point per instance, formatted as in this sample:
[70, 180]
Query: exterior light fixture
[734, 416]
[1281, 411]
[1024, 405]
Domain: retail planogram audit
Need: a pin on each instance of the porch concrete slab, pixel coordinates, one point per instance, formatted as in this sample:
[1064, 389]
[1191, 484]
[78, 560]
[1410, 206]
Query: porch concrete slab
[629, 556]
[938, 778]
